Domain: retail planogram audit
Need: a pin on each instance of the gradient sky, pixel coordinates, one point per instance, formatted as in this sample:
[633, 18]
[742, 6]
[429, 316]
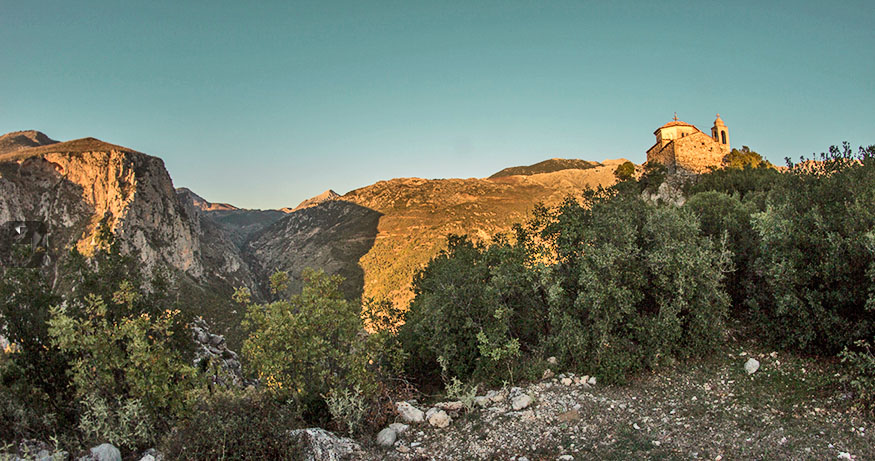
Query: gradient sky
[263, 106]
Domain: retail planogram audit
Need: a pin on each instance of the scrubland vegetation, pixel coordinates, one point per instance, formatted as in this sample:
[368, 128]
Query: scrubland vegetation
[609, 283]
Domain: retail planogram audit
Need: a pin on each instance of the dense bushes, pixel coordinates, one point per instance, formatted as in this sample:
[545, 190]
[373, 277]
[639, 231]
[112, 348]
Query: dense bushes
[635, 285]
[611, 283]
[235, 425]
[309, 345]
[626, 285]
[818, 253]
[475, 309]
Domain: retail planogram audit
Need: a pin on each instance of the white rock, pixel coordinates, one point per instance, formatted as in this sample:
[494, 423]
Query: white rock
[566, 381]
[751, 366]
[481, 401]
[439, 418]
[317, 443]
[105, 452]
[565, 458]
[551, 360]
[386, 437]
[450, 406]
[403, 449]
[399, 428]
[495, 396]
[591, 381]
[409, 413]
[845, 455]
[521, 401]
[548, 373]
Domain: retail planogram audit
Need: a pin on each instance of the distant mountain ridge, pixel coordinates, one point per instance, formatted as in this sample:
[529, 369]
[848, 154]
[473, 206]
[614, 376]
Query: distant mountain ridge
[18, 140]
[547, 166]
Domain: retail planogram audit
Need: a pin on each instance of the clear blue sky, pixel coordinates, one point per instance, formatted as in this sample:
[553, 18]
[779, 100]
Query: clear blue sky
[264, 104]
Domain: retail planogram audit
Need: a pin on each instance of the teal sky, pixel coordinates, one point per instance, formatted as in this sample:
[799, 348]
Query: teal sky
[264, 104]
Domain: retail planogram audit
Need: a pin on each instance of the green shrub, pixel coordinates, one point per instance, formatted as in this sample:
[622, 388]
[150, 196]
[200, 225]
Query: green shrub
[860, 373]
[725, 218]
[35, 393]
[124, 361]
[817, 253]
[306, 346]
[475, 309]
[235, 425]
[635, 285]
[348, 408]
[123, 423]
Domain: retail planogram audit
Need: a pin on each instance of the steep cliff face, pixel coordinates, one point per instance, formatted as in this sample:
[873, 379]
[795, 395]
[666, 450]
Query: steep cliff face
[72, 186]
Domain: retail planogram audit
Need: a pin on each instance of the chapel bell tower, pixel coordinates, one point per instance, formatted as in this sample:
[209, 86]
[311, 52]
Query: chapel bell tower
[720, 134]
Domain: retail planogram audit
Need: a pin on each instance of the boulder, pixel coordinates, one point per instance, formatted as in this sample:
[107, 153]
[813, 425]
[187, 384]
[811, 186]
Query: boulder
[751, 366]
[103, 452]
[521, 401]
[399, 428]
[439, 418]
[453, 406]
[409, 413]
[317, 444]
[386, 438]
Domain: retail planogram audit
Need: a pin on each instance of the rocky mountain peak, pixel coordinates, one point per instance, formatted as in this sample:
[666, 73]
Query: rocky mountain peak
[202, 203]
[313, 201]
[18, 140]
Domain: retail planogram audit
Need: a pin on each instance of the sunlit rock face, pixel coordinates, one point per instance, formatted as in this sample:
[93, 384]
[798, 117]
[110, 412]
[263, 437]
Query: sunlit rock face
[73, 186]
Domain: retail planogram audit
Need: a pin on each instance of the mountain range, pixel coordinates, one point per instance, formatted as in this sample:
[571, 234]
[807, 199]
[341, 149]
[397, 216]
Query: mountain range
[376, 236]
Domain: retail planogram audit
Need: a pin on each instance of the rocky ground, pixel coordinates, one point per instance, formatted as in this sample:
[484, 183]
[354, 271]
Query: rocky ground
[790, 408]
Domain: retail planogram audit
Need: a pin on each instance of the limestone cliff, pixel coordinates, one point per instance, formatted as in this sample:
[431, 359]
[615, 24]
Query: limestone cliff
[72, 186]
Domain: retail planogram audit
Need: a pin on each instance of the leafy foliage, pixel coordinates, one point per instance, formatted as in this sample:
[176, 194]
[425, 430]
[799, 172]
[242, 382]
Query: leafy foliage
[235, 425]
[860, 374]
[818, 252]
[635, 285]
[304, 347]
[476, 307]
[745, 158]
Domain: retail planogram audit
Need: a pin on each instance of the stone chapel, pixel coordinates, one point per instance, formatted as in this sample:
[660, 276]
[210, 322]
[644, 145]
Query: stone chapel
[683, 148]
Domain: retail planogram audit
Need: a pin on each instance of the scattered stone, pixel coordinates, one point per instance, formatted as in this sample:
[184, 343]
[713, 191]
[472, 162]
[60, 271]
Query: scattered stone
[439, 418]
[403, 449]
[450, 406]
[751, 366]
[568, 416]
[636, 426]
[548, 373]
[521, 401]
[103, 452]
[495, 396]
[409, 413]
[551, 360]
[399, 428]
[319, 444]
[386, 437]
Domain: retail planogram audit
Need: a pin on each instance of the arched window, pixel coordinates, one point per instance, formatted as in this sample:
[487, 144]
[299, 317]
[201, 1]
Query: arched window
[723, 136]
